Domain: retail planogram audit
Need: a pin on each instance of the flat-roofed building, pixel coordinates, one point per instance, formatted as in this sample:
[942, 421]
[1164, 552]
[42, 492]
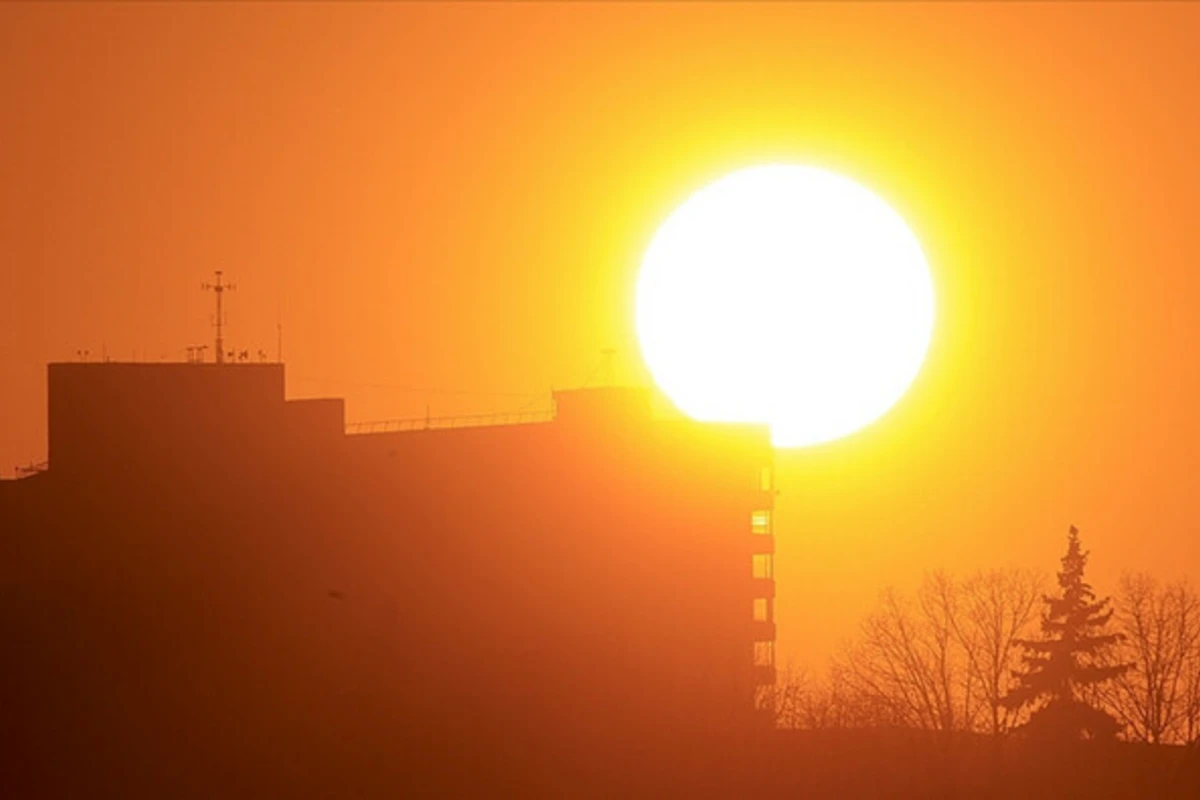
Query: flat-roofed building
[252, 600]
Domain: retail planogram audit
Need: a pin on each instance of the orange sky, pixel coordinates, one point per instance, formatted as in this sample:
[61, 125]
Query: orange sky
[457, 197]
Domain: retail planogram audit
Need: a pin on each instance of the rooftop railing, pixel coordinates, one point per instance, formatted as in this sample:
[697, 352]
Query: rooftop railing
[445, 423]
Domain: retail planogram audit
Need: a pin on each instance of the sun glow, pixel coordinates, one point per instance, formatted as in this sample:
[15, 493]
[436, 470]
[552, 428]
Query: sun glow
[785, 295]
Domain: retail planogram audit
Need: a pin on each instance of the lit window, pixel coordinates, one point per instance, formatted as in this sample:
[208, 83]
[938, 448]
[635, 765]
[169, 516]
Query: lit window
[761, 612]
[760, 522]
[764, 479]
[762, 566]
[764, 654]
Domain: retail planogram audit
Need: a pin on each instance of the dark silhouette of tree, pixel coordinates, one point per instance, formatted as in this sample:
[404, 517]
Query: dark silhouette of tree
[997, 610]
[944, 659]
[1065, 664]
[907, 664]
[1157, 699]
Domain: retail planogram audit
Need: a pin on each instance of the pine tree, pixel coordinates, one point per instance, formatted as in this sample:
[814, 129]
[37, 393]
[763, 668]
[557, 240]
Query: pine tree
[1068, 659]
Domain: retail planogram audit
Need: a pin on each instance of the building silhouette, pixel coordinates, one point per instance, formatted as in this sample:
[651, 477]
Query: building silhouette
[212, 591]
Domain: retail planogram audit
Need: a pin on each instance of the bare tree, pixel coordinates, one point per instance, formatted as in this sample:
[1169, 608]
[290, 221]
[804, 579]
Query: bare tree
[1189, 727]
[943, 660]
[1158, 700]
[802, 702]
[788, 697]
[908, 664]
[997, 609]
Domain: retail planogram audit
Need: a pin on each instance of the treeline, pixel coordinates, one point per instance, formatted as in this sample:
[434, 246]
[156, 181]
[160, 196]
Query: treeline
[1007, 652]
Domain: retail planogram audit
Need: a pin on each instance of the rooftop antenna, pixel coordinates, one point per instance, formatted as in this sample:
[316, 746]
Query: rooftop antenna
[195, 353]
[218, 288]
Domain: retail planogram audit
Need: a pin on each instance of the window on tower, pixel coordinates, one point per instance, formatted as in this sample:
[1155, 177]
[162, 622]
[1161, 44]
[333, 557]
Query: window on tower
[761, 610]
[764, 654]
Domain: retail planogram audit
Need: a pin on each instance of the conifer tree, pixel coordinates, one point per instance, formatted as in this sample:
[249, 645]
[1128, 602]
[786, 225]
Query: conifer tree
[1068, 659]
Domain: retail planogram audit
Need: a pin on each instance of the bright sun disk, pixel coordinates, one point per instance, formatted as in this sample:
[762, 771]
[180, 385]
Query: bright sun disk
[785, 295]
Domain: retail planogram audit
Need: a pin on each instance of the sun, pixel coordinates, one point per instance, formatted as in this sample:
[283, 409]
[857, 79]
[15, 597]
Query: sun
[785, 295]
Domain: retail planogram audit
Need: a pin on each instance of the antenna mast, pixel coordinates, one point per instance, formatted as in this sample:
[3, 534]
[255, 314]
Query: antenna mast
[218, 288]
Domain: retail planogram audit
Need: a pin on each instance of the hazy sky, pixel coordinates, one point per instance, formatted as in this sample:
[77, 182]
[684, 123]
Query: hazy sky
[456, 197]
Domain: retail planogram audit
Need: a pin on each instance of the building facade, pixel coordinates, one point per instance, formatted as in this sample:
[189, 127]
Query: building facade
[253, 600]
